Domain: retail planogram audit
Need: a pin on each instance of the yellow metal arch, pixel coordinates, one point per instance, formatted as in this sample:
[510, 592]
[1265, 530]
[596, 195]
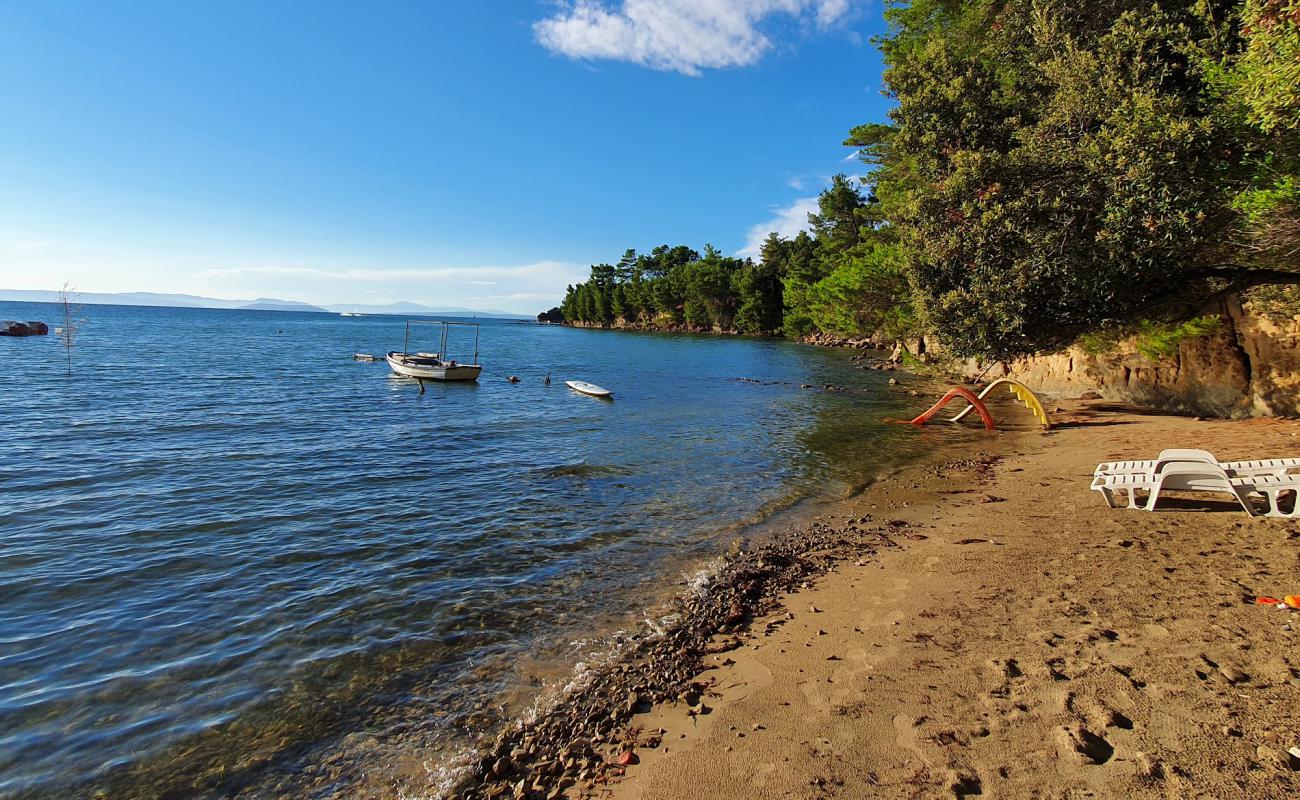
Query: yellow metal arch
[1022, 392]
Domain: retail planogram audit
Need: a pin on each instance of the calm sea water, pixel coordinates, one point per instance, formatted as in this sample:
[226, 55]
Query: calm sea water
[229, 553]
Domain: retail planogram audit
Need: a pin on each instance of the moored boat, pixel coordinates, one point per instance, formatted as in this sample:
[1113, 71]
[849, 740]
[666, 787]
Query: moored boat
[437, 366]
[429, 366]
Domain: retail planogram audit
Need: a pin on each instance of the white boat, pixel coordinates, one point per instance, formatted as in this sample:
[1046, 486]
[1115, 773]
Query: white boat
[350, 314]
[589, 388]
[434, 366]
[429, 366]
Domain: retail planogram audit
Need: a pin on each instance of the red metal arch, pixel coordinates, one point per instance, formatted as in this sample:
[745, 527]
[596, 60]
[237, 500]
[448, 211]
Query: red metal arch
[954, 393]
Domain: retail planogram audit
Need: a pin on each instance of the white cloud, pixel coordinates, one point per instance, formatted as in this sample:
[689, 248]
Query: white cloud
[683, 36]
[830, 12]
[786, 222]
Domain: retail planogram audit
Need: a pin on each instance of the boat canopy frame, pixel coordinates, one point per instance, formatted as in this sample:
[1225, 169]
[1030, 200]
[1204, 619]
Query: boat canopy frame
[442, 342]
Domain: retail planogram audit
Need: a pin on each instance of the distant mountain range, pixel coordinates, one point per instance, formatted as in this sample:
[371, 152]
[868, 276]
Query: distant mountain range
[260, 304]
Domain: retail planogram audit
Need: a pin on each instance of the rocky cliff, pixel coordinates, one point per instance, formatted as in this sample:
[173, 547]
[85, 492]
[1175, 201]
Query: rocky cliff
[1249, 366]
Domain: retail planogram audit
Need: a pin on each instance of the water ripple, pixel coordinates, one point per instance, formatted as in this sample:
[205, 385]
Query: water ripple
[237, 557]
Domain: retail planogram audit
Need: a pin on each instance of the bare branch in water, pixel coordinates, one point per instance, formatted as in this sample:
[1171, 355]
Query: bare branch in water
[72, 320]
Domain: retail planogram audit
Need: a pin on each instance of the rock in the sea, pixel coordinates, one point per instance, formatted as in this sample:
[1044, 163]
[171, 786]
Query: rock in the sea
[11, 327]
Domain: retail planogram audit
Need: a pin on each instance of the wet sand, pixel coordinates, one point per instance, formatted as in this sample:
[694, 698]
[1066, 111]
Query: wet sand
[980, 627]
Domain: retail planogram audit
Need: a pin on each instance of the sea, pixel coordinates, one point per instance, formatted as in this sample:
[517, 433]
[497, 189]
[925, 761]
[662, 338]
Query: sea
[236, 561]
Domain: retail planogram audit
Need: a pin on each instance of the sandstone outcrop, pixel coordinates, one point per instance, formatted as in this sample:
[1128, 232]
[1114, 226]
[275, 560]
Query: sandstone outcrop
[1249, 366]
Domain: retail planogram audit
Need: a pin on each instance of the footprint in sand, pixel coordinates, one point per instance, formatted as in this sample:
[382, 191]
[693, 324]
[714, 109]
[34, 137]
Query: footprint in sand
[1007, 673]
[905, 733]
[1080, 745]
[957, 779]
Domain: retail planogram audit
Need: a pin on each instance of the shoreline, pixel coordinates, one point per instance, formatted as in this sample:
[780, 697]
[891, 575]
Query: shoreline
[572, 748]
[958, 628]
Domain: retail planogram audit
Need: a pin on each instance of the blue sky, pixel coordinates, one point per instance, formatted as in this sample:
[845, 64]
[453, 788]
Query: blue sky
[476, 154]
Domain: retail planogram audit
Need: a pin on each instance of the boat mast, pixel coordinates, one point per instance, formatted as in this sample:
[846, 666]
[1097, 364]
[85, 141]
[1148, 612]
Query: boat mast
[406, 343]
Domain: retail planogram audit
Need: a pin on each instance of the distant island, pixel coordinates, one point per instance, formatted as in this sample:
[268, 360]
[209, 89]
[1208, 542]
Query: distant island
[259, 304]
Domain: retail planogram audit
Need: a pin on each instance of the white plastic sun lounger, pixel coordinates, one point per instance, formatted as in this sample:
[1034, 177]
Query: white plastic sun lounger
[1197, 476]
[1267, 466]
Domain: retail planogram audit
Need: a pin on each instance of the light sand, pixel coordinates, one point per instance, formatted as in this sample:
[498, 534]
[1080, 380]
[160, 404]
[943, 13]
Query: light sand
[1034, 643]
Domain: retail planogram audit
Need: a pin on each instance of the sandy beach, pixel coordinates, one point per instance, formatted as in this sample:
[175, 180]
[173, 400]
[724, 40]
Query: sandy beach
[1003, 634]
[1033, 643]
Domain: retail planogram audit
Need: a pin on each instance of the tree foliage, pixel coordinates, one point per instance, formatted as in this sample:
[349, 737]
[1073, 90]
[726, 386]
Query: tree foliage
[1053, 167]
[1049, 169]
[677, 286]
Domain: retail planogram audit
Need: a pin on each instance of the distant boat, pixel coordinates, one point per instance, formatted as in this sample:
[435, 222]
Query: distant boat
[350, 314]
[589, 388]
[437, 366]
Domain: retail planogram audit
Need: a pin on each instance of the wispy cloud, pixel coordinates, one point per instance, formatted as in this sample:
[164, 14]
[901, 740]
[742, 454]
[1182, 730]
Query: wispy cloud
[27, 245]
[786, 221]
[472, 275]
[519, 287]
[530, 296]
[684, 36]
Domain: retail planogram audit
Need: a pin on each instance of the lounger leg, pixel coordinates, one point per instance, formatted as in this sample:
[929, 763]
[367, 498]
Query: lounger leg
[1244, 499]
[1109, 495]
[1275, 504]
[1273, 509]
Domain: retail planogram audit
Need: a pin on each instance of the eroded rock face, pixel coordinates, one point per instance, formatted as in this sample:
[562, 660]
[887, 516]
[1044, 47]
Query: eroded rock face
[1249, 366]
[1273, 352]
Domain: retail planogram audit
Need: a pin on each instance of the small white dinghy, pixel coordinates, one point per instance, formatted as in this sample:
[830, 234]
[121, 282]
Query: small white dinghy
[589, 388]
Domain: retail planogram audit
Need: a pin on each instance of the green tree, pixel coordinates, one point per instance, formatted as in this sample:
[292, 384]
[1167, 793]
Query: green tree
[1260, 92]
[709, 297]
[760, 296]
[840, 215]
[865, 291]
[1052, 166]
